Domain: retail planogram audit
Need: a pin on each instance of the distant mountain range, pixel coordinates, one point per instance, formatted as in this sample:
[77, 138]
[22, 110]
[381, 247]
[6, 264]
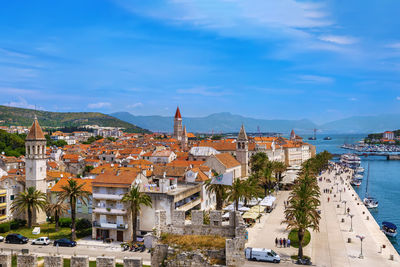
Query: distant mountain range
[226, 122]
[24, 117]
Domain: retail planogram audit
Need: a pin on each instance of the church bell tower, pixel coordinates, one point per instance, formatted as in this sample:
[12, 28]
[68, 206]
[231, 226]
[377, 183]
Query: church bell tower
[35, 164]
[242, 151]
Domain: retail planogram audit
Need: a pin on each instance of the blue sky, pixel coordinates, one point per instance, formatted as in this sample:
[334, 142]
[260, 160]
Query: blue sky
[286, 59]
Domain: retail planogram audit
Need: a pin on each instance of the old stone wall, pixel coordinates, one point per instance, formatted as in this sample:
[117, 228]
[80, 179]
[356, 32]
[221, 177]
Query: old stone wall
[53, 261]
[234, 252]
[26, 260]
[79, 261]
[188, 259]
[105, 262]
[5, 260]
[159, 254]
[133, 262]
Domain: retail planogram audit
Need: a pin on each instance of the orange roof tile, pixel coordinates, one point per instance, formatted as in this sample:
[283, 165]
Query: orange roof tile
[87, 184]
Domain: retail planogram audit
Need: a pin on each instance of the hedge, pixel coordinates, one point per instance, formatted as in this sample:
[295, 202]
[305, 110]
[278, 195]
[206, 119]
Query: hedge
[4, 227]
[65, 222]
[82, 224]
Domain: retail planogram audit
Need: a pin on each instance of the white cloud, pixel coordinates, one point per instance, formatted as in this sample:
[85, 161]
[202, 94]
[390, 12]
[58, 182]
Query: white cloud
[99, 105]
[135, 105]
[353, 99]
[398, 98]
[203, 91]
[315, 79]
[394, 45]
[22, 103]
[337, 39]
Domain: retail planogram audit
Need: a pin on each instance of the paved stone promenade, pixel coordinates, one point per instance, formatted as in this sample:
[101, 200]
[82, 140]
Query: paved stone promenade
[329, 246]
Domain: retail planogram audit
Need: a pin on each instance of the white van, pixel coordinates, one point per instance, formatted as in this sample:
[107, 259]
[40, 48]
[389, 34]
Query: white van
[262, 254]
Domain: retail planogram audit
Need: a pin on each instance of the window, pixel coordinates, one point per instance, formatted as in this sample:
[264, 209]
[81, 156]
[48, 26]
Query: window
[12, 197]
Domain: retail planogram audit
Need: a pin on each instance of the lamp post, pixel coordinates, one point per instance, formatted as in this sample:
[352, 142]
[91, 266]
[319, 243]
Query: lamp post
[351, 222]
[337, 187]
[361, 237]
[340, 195]
[344, 201]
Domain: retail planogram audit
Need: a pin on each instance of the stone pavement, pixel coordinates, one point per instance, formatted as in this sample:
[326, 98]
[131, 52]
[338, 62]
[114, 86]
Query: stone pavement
[329, 246]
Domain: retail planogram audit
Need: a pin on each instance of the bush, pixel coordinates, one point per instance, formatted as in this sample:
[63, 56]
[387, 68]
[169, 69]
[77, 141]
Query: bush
[84, 233]
[4, 227]
[294, 240]
[65, 222]
[17, 223]
[82, 224]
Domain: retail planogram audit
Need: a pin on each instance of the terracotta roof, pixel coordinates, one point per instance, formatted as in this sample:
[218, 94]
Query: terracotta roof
[201, 176]
[184, 163]
[87, 184]
[35, 133]
[228, 160]
[122, 178]
[170, 171]
[178, 114]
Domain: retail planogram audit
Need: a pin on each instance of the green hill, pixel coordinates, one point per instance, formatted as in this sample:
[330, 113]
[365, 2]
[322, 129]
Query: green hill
[24, 117]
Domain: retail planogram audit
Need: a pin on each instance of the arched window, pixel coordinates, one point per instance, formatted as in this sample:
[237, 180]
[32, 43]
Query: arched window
[29, 150]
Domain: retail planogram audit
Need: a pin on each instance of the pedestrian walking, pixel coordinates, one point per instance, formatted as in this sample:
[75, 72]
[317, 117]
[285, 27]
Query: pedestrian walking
[276, 242]
[284, 242]
[288, 243]
[280, 242]
[328, 199]
[348, 210]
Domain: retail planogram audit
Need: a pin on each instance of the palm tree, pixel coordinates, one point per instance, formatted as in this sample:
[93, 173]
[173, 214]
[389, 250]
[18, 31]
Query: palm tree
[241, 189]
[135, 199]
[258, 161]
[279, 168]
[251, 189]
[31, 200]
[219, 190]
[57, 209]
[73, 192]
[302, 210]
[266, 179]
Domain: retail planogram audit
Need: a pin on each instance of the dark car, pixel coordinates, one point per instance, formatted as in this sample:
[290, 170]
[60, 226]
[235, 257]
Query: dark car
[64, 242]
[16, 239]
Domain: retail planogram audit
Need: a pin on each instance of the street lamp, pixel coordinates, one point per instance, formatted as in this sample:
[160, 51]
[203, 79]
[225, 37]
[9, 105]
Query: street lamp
[337, 187]
[340, 195]
[344, 201]
[351, 222]
[361, 237]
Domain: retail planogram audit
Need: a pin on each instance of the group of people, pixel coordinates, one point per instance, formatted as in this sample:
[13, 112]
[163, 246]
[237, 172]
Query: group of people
[282, 242]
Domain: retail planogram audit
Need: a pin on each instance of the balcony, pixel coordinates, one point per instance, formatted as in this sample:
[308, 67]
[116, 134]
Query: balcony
[189, 205]
[3, 217]
[107, 196]
[110, 211]
[3, 205]
[3, 192]
[103, 225]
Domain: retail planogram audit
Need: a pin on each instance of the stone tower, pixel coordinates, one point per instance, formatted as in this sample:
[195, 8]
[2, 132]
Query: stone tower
[178, 129]
[184, 138]
[35, 164]
[242, 151]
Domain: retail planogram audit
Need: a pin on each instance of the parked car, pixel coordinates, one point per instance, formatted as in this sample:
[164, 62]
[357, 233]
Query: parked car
[41, 241]
[1, 238]
[16, 239]
[65, 242]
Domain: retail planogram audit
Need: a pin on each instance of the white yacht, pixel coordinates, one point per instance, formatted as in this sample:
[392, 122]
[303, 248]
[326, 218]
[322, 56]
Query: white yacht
[369, 202]
[360, 170]
[350, 160]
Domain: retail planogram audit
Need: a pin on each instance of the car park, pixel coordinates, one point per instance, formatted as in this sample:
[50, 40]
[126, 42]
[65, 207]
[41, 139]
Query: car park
[64, 242]
[16, 239]
[41, 241]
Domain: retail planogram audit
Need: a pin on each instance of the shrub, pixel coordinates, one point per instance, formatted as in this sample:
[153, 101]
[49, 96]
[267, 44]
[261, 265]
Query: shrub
[84, 233]
[4, 227]
[294, 240]
[14, 225]
[83, 224]
[65, 222]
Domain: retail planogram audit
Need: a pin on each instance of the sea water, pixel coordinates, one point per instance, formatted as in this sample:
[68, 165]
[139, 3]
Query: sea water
[384, 180]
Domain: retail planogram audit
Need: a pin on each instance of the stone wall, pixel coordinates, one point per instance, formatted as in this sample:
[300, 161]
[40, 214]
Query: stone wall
[26, 260]
[79, 261]
[234, 232]
[5, 260]
[133, 262]
[105, 262]
[53, 261]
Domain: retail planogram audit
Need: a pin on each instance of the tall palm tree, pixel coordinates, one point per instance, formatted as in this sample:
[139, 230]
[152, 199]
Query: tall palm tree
[57, 209]
[135, 199]
[302, 210]
[73, 192]
[31, 200]
[251, 189]
[279, 168]
[241, 189]
[258, 161]
[219, 190]
[266, 178]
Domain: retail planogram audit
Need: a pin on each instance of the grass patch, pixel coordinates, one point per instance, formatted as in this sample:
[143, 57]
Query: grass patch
[67, 263]
[45, 230]
[294, 241]
[193, 242]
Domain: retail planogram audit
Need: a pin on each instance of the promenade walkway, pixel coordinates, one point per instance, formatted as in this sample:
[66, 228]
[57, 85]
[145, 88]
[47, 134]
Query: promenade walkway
[330, 247]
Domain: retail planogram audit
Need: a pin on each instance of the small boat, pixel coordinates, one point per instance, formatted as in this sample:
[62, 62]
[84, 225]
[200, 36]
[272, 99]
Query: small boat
[360, 170]
[390, 229]
[312, 138]
[355, 182]
[358, 176]
[369, 202]
[328, 138]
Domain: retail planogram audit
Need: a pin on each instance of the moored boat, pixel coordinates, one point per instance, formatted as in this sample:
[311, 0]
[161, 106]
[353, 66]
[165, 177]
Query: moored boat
[369, 202]
[355, 182]
[390, 229]
[328, 138]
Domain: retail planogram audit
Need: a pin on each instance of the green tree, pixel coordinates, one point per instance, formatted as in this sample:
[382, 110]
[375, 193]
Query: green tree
[279, 168]
[134, 198]
[30, 200]
[302, 210]
[56, 209]
[73, 192]
[257, 162]
[219, 190]
[241, 189]
[87, 169]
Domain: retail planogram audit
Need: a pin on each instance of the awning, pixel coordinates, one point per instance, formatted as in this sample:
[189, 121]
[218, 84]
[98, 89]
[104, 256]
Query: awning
[250, 215]
[268, 201]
